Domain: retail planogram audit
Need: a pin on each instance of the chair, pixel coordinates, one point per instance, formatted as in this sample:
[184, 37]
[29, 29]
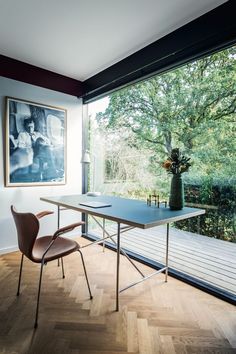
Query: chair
[43, 249]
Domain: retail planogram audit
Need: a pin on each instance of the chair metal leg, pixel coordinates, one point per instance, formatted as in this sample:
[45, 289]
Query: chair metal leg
[82, 258]
[58, 262]
[62, 268]
[38, 297]
[19, 281]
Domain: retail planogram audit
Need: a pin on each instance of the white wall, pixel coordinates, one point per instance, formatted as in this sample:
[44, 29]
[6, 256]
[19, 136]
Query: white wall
[28, 198]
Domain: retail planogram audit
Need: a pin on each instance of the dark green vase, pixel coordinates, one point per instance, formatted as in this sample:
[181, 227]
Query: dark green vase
[176, 201]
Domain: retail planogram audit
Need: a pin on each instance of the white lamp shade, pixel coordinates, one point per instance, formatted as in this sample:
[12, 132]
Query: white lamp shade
[85, 157]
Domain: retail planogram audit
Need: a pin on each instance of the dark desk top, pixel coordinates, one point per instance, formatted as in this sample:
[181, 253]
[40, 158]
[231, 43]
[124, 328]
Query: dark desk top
[126, 211]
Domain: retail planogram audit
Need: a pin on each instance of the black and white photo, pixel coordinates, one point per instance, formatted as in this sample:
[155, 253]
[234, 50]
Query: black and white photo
[35, 143]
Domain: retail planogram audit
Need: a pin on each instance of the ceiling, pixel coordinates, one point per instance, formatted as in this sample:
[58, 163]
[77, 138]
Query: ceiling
[79, 38]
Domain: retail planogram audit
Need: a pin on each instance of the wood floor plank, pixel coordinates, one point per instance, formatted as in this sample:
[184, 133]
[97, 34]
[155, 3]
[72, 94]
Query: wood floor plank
[155, 317]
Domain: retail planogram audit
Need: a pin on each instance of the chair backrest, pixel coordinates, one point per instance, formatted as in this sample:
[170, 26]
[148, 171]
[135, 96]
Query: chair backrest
[27, 226]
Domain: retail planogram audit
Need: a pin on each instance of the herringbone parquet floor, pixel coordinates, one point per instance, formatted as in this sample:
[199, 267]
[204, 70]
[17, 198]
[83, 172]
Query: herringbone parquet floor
[154, 317]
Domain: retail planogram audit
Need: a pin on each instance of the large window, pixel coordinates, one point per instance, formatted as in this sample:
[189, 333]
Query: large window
[133, 131]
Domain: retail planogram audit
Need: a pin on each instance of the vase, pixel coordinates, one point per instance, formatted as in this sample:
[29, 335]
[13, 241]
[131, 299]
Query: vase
[176, 201]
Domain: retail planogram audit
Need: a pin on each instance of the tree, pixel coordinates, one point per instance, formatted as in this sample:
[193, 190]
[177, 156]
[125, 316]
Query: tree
[192, 108]
[178, 108]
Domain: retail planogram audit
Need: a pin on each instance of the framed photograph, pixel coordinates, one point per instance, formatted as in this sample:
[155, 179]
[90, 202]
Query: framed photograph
[35, 144]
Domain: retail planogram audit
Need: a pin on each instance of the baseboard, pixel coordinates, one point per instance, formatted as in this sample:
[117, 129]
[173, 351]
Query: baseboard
[9, 249]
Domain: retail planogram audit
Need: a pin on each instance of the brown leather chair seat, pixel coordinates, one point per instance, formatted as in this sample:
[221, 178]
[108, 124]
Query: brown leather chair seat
[60, 248]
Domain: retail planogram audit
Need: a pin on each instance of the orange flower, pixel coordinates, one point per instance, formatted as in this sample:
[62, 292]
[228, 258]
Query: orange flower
[167, 164]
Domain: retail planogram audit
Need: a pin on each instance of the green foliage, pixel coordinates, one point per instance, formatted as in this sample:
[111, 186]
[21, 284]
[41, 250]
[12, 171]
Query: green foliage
[178, 106]
[206, 193]
[218, 198]
[194, 108]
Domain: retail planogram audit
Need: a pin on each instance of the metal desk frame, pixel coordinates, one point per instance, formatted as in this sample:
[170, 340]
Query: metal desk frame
[152, 218]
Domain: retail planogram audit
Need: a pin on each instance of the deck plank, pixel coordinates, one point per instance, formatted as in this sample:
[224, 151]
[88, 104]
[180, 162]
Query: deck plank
[207, 259]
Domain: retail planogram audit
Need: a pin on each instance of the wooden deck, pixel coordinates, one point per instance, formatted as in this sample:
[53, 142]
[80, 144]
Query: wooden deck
[207, 259]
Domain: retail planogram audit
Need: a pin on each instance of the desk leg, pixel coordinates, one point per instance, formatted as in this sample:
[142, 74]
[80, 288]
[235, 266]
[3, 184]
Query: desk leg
[84, 217]
[118, 266]
[58, 216]
[58, 226]
[167, 250]
[103, 234]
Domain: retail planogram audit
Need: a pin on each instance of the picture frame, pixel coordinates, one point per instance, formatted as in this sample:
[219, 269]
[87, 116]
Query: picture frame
[35, 144]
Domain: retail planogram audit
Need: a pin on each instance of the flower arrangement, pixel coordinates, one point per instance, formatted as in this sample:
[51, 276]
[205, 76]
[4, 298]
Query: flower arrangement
[176, 163]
